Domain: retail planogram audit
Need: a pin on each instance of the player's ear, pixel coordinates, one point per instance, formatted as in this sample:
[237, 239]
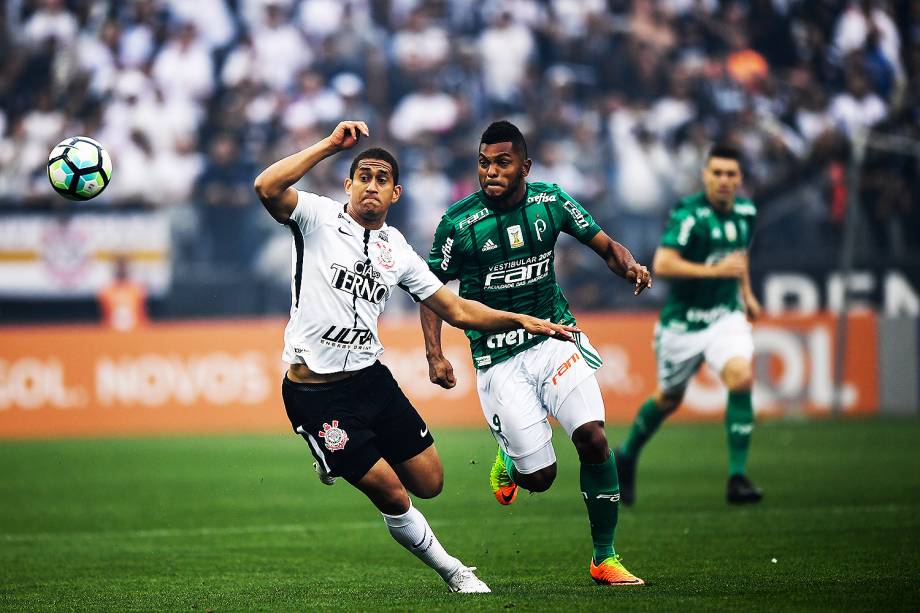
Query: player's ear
[525, 167]
[348, 184]
[397, 192]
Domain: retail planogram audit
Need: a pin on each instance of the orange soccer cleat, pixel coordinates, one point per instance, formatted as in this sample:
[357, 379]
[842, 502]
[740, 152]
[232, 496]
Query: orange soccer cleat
[504, 489]
[612, 572]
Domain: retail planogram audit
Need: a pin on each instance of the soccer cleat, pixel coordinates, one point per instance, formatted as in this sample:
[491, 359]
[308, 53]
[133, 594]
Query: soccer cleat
[612, 572]
[504, 489]
[740, 490]
[626, 472]
[465, 581]
[324, 477]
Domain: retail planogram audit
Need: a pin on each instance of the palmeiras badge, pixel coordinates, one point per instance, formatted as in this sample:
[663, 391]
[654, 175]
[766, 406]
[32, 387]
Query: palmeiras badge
[334, 437]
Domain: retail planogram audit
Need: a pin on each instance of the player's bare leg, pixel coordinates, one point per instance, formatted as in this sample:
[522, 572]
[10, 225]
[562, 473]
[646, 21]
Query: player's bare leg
[651, 414]
[422, 475]
[409, 528]
[739, 424]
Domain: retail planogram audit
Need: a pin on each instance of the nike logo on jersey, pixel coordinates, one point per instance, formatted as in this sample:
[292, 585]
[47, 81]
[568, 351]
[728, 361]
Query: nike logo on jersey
[345, 233]
[423, 432]
[489, 246]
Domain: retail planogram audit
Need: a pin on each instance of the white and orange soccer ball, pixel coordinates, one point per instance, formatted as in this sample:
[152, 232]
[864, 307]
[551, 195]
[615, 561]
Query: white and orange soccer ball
[79, 168]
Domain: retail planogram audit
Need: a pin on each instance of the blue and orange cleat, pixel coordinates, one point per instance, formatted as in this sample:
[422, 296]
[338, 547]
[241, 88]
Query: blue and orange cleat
[504, 489]
[612, 572]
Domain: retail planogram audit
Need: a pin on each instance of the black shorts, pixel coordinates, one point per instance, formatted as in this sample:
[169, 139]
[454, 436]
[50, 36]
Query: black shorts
[350, 424]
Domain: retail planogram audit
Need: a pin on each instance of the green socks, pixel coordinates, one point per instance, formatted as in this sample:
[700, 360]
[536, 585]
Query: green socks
[739, 422]
[647, 421]
[601, 490]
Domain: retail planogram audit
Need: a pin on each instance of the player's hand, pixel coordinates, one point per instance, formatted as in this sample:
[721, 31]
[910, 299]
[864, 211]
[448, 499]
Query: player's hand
[347, 133]
[639, 274]
[440, 372]
[548, 328]
[752, 308]
[732, 266]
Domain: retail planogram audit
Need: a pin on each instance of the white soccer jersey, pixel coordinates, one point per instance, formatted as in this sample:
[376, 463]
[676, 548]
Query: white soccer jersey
[342, 276]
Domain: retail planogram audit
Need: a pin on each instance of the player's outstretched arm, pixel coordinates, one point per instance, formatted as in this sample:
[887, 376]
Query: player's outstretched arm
[751, 305]
[621, 261]
[273, 185]
[669, 263]
[440, 370]
[471, 315]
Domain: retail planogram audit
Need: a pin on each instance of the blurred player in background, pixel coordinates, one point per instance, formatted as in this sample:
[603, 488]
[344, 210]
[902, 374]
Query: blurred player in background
[499, 242]
[123, 303]
[344, 403]
[704, 253]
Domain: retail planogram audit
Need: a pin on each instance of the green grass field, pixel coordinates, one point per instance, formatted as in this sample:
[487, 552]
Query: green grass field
[241, 523]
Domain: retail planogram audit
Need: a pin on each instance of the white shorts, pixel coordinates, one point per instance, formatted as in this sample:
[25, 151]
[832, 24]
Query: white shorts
[680, 354]
[518, 395]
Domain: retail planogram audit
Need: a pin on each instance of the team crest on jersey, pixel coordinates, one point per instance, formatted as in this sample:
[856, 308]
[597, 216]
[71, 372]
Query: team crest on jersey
[384, 257]
[515, 237]
[334, 437]
[731, 233]
[540, 226]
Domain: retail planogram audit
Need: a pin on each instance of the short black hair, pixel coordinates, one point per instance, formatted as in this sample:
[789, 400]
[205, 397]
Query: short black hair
[505, 132]
[724, 150]
[376, 153]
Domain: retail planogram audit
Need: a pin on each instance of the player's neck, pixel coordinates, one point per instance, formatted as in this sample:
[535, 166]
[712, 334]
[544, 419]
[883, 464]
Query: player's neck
[721, 206]
[511, 200]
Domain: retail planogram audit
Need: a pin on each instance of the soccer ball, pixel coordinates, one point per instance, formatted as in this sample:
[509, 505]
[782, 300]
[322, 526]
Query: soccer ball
[79, 168]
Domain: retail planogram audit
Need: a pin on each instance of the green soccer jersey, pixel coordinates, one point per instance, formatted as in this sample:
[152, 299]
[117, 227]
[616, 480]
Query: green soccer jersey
[505, 259]
[703, 235]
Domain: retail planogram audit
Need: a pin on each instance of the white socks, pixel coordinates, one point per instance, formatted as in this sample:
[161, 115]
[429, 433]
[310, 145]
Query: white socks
[411, 530]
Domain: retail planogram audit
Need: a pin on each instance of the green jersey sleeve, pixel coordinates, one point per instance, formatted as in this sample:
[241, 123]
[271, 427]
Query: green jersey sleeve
[441, 258]
[576, 220]
[680, 231]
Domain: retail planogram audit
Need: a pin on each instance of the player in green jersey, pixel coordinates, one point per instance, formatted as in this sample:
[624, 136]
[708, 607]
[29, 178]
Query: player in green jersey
[499, 242]
[704, 253]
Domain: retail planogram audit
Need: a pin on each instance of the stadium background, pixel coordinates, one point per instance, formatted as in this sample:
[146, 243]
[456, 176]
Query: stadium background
[619, 101]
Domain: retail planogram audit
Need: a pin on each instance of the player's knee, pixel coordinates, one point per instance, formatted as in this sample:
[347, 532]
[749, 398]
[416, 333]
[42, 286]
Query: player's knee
[538, 481]
[430, 488]
[392, 502]
[591, 442]
[667, 403]
[738, 375]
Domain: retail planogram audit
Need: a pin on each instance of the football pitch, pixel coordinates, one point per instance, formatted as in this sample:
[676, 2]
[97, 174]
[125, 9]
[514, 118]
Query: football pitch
[241, 523]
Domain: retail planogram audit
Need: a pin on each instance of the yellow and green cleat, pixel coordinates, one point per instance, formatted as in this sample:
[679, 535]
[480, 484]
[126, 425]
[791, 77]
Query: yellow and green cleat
[612, 572]
[503, 487]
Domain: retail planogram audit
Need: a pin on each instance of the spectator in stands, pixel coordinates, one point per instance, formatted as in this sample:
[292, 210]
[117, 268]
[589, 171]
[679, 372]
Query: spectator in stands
[858, 107]
[788, 81]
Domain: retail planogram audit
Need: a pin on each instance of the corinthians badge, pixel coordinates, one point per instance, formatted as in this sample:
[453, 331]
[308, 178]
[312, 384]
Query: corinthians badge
[334, 437]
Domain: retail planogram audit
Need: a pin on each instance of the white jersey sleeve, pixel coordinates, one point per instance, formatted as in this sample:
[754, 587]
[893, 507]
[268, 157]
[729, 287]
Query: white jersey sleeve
[311, 210]
[417, 279]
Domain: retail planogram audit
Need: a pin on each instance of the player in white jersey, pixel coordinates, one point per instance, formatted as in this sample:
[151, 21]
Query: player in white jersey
[339, 398]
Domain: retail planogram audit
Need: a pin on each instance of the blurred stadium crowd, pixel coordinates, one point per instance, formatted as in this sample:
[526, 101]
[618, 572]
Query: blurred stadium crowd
[619, 100]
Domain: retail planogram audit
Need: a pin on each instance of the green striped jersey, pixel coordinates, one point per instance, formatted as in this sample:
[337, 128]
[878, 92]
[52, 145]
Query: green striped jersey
[504, 259]
[704, 235]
